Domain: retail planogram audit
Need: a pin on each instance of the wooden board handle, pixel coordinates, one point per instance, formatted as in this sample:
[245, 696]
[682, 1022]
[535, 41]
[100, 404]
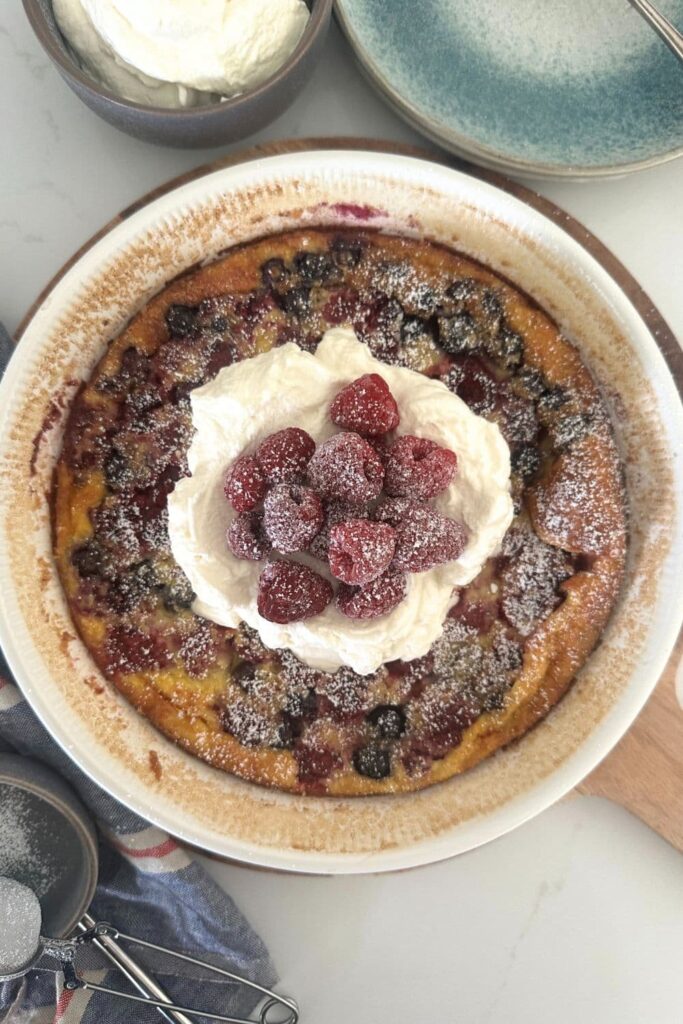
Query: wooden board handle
[644, 772]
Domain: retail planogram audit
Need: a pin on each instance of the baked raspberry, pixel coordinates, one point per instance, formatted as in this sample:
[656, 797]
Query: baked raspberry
[424, 537]
[443, 723]
[316, 764]
[348, 468]
[474, 383]
[479, 615]
[292, 515]
[418, 468]
[245, 484]
[334, 512]
[360, 551]
[367, 406]
[245, 538]
[290, 592]
[284, 456]
[341, 307]
[379, 597]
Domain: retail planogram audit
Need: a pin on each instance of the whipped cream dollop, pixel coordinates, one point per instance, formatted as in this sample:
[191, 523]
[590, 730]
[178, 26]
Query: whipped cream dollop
[179, 53]
[288, 387]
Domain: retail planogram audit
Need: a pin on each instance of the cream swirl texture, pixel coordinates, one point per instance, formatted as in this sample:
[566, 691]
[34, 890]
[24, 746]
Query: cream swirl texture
[289, 387]
[176, 53]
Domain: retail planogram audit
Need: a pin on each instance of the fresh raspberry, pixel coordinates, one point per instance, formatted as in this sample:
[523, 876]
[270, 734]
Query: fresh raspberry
[244, 484]
[360, 551]
[245, 538]
[418, 468]
[348, 468]
[290, 592]
[395, 510]
[367, 406]
[334, 512]
[379, 597]
[424, 537]
[292, 515]
[382, 446]
[284, 456]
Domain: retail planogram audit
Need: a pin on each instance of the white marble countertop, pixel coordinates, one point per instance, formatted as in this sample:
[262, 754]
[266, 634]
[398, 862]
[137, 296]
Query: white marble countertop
[577, 916]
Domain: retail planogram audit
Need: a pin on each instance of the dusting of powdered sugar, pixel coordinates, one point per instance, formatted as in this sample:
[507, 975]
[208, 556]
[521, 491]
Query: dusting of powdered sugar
[28, 840]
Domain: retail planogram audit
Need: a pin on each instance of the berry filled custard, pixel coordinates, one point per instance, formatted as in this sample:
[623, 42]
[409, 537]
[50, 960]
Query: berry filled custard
[341, 513]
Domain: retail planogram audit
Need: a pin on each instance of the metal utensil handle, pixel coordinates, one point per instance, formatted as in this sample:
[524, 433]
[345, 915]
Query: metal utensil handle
[138, 977]
[668, 32]
[105, 937]
[170, 1008]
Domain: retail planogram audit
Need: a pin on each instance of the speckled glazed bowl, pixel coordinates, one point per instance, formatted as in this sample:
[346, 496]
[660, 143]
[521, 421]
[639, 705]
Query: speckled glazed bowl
[93, 298]
[558, 89]
[192, 127]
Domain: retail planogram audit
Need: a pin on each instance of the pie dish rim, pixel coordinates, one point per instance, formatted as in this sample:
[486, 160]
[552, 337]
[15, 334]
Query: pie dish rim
[511, 813]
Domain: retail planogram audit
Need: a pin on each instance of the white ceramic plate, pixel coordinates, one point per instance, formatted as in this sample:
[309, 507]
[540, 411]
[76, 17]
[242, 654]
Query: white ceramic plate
[90, 303]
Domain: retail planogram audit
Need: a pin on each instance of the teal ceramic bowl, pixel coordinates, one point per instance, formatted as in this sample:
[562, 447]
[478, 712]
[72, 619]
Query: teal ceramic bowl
[563, 88]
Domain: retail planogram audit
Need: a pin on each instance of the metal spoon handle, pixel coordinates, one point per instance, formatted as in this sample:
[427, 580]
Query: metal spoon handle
[138, 977]
[671, 36]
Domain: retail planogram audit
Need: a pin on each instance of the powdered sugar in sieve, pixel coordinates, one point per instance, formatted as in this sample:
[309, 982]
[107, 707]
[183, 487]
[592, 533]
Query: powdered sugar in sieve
[20, 920]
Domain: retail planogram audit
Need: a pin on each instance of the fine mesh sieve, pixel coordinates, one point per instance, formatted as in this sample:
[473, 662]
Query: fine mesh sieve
[48, 872]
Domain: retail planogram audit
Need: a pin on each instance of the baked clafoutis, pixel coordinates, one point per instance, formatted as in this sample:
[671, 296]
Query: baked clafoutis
[341, 513]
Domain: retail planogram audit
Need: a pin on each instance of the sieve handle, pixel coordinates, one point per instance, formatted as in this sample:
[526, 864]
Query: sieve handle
[138, 977]
[105, 937]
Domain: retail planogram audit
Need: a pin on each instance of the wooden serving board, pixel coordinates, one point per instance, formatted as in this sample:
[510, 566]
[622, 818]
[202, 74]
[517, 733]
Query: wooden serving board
[644, 772]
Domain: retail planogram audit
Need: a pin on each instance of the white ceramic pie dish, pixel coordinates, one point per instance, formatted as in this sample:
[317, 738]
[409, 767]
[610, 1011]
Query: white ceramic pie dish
[90, 303]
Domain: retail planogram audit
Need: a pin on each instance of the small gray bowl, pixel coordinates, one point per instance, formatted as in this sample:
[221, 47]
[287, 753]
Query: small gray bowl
[61, 864]
[192, 127]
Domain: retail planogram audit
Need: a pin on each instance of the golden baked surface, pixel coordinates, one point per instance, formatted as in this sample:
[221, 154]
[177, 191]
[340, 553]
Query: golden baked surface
[518, 633]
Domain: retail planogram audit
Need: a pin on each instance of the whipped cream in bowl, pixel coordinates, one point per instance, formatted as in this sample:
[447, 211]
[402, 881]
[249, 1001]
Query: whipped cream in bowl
[181, 53]
[288, 387]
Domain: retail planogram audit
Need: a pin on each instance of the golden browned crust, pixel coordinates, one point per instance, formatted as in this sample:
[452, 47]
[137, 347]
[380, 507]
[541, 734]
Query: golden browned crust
[592, 529]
